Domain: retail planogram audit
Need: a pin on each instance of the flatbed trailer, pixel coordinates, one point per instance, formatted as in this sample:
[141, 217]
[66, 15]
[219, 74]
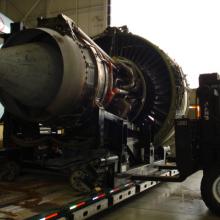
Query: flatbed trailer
[41, 197]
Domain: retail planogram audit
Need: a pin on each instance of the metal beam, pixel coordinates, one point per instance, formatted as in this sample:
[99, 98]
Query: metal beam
[76, 12]
[47, 9]
[80, 9]
[30, 10]
[15, 7]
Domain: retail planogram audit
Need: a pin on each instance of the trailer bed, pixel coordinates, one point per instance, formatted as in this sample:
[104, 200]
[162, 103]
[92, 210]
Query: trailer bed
[44, 197]
[34, 194]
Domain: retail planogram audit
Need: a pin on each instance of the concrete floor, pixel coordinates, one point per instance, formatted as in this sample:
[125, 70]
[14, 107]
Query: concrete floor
[168, 201]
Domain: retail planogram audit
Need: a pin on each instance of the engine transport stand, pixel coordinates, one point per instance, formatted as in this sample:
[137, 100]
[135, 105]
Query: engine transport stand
[91, 205]
[129, 184]
[68, 205]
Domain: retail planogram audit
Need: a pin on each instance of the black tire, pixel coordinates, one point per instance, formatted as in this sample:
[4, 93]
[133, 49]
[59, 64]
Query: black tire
[77, 181]
[10, 170]
[210, 190]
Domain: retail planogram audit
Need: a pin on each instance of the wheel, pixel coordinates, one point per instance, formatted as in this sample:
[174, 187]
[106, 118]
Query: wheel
[78, 181]
[10, 170]
[210, 190]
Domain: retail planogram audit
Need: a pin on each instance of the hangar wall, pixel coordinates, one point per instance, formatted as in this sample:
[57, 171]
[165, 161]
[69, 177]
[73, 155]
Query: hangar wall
[90, 15]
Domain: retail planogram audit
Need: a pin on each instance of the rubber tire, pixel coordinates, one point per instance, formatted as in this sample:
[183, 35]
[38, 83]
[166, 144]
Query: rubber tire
[10, 170]
[208, 180]
[77, 183]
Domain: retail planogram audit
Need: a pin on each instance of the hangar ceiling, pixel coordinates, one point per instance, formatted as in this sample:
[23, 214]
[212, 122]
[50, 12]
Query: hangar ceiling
[90, 15]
